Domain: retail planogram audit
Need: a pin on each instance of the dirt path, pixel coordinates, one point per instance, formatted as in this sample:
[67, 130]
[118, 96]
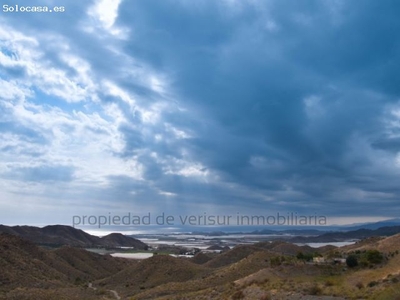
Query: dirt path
[115, 293]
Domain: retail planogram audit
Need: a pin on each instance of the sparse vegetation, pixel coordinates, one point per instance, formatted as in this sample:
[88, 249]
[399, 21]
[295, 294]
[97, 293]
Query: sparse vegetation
[238, 295]
[315, 290]
[359, 285]
[304, 256]
[329, 283]
[352, 261]
[257, 271]
[277, 261]
[372, 283]
[374, 256]
[366, 258]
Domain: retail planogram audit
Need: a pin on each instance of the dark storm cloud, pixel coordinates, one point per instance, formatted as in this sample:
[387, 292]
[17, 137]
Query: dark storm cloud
[251, 82]
[388, 144]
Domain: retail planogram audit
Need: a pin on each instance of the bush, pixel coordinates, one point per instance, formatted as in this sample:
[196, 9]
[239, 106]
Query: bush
[374, 256]
[315, 290]
[238, 295]
[306, 257]
[276, 261]
[329, 283]
[352, 261]
[372, 283]
[359, 285]
[300, 255]
[78, 281]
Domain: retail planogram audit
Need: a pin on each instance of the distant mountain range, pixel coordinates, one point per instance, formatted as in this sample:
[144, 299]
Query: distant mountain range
[341, 236]
[327, 231]
[375, 225]
[291, 229]
[59, 235]
[351, 233]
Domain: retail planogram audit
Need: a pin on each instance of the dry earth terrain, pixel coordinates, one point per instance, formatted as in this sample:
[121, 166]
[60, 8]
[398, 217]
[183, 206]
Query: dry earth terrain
[267, 270]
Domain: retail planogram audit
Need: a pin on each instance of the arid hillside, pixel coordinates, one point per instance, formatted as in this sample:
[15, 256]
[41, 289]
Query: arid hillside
[369, 269]
[30, 272]
[273, 270]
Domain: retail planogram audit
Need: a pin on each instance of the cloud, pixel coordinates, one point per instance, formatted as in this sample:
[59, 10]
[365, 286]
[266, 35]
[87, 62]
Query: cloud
[43, 173]
[229, 105]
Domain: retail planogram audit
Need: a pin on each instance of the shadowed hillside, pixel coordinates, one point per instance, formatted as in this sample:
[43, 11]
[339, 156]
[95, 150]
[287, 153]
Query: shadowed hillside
[201, 258]
[289, 248]
[28, 270]
[232, 256]
[59, 235]
[120, 240]
[152, 272]
[343, 236]
[389, 244]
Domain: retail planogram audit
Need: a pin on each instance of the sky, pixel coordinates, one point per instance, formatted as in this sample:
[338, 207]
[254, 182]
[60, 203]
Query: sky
[200, 107]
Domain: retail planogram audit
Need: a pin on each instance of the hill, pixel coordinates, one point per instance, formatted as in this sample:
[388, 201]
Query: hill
[153, 272]
[385, 245]
[348, 235]
[59, 235]
[232, 256]
[265, 270]
[120, 240]
[212, 278]
[376, 225]
[291, 249]
[201, 258]
[269, 270]
[31, 272]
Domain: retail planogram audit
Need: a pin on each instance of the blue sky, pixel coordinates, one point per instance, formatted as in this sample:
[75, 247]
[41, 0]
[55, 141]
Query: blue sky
[192, 107]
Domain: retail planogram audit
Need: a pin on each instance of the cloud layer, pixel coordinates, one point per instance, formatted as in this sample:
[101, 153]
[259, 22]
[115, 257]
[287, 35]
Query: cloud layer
[217, 106]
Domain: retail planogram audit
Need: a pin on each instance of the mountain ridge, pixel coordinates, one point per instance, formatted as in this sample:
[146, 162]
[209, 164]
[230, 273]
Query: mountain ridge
[62, 235]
